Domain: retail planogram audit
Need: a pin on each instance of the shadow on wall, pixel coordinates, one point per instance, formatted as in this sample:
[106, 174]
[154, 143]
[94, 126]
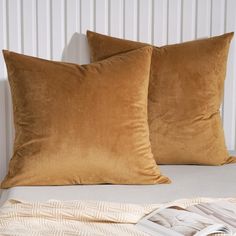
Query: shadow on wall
[77, 50]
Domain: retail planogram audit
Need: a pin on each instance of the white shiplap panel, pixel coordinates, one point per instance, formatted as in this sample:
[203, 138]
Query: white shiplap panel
[58, 28]
[3, 36]
[101, 16]
[160, 15]
[3, 131]
[130, 19]
[86, 15]
[145, 21]
[188, 20]
[230, 83]
[116, 19]
[43, 29]
[14, 25]
[174, 21]
[86, 23]
[203, 29]
[78, 15]
[217, 17]
[71, 25]
[70, 52]
[29, 31]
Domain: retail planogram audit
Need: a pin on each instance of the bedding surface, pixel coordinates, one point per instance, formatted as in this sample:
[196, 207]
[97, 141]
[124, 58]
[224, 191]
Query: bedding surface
[187, 182]
[79, 217]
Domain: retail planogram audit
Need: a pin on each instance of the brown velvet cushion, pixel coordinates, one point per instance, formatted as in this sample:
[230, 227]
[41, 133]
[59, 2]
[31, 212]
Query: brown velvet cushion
[81, 124]
[185, 93]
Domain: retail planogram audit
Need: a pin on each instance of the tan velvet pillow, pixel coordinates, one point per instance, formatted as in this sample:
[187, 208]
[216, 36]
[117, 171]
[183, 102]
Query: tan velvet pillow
[81, 124]
[185, 93]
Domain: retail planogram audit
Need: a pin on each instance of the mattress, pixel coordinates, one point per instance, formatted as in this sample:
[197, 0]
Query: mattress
[187, 182]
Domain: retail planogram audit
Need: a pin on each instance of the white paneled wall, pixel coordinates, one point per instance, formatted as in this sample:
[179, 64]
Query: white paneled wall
[54, 29]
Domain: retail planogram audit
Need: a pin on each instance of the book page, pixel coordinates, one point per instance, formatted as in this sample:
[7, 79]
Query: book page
[178, 221]
[222, 212]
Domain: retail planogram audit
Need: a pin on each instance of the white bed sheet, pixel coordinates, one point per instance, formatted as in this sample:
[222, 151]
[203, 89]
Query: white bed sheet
[187, 182]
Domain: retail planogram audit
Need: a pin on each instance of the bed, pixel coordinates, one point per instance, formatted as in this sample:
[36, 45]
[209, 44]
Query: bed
[109, 209]
[197, 181]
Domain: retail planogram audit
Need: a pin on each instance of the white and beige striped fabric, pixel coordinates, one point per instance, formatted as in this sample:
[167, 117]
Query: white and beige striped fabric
[78, 217]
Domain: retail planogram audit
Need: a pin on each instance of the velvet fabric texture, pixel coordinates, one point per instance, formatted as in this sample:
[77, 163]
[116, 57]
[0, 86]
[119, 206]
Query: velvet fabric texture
[185, 94]
[81, 124]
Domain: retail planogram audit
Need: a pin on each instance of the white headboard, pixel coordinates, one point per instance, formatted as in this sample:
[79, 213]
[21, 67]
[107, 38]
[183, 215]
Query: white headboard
[55, 29]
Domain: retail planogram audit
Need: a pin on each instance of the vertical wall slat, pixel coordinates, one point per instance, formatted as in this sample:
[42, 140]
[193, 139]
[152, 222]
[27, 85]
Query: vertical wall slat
[203, 29]
[71, 14]
[29, 27]
[188, 20]
[101, 16]
[130, 20]
[145, 20]
[58, 28]
[160, 11]
[78, 15]
[116, 20]
[218, 17]
[230, 83]
[14, 25]
[174, 21]
[70, 52]
[3, 36]
[43, 28]
[3, 131]
[86, 23]
[87, 15]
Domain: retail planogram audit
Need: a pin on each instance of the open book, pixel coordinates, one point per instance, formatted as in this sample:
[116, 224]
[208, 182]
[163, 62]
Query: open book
[198, 220]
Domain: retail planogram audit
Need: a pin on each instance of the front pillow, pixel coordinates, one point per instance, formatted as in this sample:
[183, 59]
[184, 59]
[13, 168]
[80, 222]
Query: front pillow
[185, 93]
[81, 124]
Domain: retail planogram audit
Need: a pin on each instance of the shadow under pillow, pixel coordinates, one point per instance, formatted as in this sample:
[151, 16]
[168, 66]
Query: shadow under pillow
[81, 124]
[185, 94]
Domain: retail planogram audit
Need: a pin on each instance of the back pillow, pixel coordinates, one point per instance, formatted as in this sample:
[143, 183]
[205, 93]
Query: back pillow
[185, 94]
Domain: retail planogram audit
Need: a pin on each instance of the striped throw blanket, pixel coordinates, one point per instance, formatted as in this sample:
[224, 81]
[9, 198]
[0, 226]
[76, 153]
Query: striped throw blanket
[85, 218]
